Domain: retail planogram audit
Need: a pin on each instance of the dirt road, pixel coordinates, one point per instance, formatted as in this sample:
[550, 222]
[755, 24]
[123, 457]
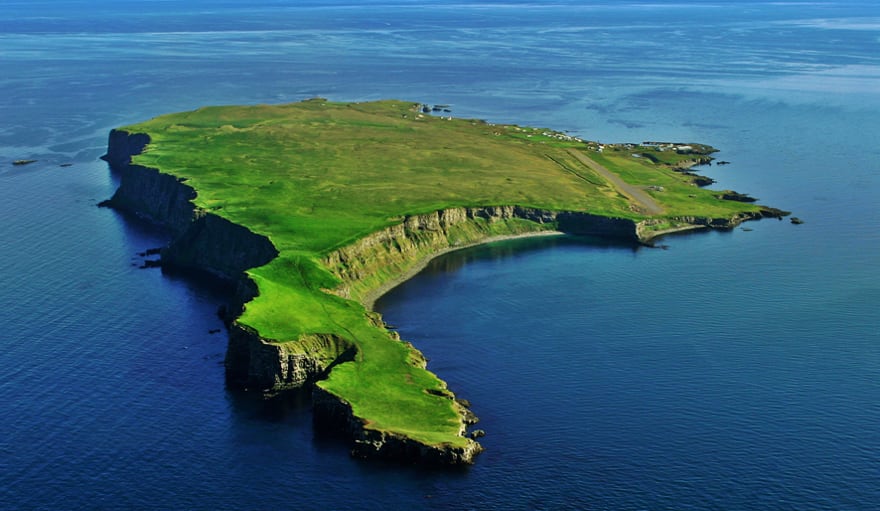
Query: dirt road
[641, 200]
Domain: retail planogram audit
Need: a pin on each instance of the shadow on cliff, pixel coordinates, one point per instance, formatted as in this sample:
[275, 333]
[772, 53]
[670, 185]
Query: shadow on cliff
[513, 248]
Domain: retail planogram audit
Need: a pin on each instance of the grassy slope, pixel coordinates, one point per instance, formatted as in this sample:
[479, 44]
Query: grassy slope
[315, 176]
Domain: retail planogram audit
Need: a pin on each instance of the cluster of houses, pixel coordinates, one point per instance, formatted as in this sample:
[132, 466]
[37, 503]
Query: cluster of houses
[659, 146]
[549, 134]
[672, 146]
[561, 136]
[597, 146]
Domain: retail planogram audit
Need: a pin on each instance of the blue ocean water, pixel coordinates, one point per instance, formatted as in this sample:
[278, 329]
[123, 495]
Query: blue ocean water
[736, 370]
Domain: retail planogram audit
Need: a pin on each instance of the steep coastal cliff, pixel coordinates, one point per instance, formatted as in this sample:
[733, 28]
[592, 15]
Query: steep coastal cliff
[200, 240]
[257, 364]
[310, 235]
[367, 266]
[206, 243]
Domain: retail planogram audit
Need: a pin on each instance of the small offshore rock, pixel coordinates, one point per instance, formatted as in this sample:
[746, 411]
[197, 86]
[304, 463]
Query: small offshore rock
[797, 221]
[150, 252]
[477, 433]
[469, 417]
[151, 263]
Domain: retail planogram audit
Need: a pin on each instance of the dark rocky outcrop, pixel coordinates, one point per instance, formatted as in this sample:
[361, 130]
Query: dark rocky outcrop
[254, 363]
[696, 179]
[122, 145]
[215, 245]
[700, 180]
[334, 413]
[693, 162]
[736, 196]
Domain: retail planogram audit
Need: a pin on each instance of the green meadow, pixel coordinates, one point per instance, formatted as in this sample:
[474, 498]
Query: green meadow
[315, 176]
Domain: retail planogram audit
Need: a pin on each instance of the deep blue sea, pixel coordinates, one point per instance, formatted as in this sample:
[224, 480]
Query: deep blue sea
[724, 371]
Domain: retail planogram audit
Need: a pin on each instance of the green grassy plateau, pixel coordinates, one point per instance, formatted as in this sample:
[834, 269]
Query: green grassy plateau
[316, 176]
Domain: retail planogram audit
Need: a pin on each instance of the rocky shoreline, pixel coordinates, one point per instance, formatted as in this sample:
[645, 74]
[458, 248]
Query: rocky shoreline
[206, 243]
[335, 414]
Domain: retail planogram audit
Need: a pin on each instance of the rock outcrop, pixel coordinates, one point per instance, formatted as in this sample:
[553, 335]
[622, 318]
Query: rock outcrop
[334, 413]
[122, 145]
[254, 363]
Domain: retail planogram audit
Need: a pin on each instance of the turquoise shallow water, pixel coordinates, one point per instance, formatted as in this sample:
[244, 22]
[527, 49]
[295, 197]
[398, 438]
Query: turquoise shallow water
[731, 370]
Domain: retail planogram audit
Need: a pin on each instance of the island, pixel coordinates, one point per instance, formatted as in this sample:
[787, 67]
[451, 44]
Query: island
[313, 209]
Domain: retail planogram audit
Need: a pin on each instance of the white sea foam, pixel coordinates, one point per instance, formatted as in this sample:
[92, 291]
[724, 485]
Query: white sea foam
[871, 24]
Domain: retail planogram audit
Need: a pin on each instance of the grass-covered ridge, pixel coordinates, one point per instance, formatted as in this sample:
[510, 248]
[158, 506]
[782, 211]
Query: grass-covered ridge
[316, 176]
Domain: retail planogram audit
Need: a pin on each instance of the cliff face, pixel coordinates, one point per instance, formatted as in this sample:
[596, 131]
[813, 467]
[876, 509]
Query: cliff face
[446, 228]
[376, 259]
[255, 364]
[201, 241]
[207, 243]
[122, 145]
[157, 197]
[216, 245]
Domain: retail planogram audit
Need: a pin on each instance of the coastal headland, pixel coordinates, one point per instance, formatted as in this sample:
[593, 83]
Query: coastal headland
[313, 209]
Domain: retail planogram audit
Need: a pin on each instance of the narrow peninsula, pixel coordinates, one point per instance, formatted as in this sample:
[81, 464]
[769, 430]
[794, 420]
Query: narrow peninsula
[313, 208]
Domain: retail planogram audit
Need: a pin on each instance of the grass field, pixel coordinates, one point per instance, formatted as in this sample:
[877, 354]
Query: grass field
[316, 176]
